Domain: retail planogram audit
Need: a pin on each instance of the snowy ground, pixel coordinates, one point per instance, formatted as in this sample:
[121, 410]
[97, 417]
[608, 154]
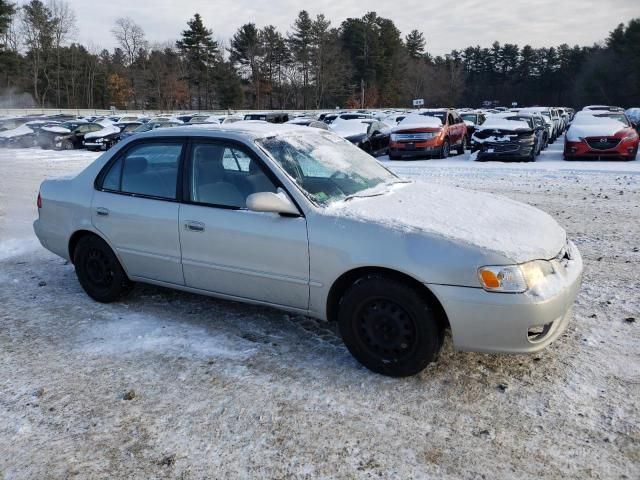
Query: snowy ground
[223, 390]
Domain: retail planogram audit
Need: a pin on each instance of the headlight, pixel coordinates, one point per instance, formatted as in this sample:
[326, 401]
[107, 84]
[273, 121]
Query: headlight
[630, 138]
[514, 278]
[394, 137]
[57, 139]
[100, 140]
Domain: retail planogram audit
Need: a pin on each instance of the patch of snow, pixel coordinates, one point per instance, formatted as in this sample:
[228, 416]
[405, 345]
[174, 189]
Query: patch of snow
[16, 132]
[107, 130]
[61, 130]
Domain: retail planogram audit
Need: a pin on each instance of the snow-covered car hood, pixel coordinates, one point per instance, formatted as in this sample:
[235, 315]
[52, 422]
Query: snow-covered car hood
[512, 229]
[605, 128]
[108, 130]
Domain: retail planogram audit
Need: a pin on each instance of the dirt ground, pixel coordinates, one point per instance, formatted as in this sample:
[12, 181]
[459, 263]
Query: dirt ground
[173, 385]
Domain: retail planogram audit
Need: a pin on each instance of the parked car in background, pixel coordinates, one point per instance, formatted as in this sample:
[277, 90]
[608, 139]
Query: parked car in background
[67, 135]
[601, 134]
[472, 120]
[633, 114]
[602, 108]
[369, 135]
[147, 127]
[505, 138]
[301, 220]
[110, 135]
[431, 133]
[214, 119]
[271, 117]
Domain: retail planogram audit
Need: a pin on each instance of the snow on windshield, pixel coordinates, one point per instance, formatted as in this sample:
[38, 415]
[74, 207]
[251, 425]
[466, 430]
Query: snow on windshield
[325, 166]
[501, 123]
[419, 121]
[346, 128]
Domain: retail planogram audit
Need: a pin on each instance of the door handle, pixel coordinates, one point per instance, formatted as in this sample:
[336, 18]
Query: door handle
[103, 212]
[194, 226]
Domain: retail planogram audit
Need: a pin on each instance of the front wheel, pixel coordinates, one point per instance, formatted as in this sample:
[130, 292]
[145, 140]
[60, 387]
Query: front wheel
[99, 271]
[445, 149]
[67, 145]
[389, 327]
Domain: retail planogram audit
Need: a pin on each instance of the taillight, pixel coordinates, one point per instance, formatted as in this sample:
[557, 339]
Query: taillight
[39, 200]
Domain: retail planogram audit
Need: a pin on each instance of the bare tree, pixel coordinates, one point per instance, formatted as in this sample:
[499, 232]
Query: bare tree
[130, 36]
[64, 29]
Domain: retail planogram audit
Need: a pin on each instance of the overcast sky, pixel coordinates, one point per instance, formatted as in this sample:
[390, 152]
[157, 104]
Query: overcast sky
[447, 25]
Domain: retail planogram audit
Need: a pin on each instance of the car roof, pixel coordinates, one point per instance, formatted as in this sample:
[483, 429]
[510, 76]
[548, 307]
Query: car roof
[238, 130]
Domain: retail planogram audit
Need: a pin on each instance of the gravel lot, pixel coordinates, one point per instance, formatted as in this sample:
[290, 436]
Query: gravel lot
[172, 385]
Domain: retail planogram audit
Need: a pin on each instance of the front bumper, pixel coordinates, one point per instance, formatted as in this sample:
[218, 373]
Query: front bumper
[484, 321]
[581, 149]
[503, 151]
[95, 146]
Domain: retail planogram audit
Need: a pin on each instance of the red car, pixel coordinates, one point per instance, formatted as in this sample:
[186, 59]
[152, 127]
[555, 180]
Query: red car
[601, 135]
[432, 133]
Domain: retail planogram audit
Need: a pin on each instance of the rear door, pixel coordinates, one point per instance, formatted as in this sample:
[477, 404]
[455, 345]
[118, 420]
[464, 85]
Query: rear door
[230, 250]
[135, 207]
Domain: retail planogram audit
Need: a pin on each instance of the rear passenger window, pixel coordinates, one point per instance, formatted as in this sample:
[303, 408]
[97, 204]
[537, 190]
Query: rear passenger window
[150, 170]
[225, 176]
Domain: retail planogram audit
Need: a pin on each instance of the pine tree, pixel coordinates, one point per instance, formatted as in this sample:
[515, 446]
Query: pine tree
[301, 47]
[246, 52]
[201, 54]
[415, 44]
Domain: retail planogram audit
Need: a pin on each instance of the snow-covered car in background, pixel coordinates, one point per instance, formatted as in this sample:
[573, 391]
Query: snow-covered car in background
[370, 135]
[147, 127]
[67, 135]
[506, 137]
[472, 120]
[300, 219]
[20, 137]
[602, 108]
[601, 134]
[214, 119]
[270, 117]
[107, 137]
[430, 133]
[633, 114]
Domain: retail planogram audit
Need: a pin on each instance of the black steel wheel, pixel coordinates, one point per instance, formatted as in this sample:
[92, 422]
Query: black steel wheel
[99, 271]
[389, 326]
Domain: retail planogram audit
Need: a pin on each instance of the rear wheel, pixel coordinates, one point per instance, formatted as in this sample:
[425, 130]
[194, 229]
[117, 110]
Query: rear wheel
[389, 327]
[99, 271]
[394, 157]
[463, 146]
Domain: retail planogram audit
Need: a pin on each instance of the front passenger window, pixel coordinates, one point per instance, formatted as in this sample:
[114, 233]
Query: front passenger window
[224, 176]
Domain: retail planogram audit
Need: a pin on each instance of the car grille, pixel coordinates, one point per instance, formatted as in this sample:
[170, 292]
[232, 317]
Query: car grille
[503, 147]
[605, 143]
[412, 137]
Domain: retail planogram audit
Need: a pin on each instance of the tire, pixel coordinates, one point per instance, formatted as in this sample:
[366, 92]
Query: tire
[389, 327]
[463, 146]
[67, 145]
[394, 157]
[445, 149]
[99, 271]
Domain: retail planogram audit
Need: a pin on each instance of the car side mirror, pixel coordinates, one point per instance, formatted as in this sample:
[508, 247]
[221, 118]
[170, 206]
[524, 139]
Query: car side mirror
[272, 203]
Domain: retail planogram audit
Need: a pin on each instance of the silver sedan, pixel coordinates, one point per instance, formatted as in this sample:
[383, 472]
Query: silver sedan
[300, 219]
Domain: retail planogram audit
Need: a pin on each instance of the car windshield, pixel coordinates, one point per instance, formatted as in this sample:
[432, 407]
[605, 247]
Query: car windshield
[469, 117]
[442, 116]
[615, 116]
[328, 168]
[517, 118]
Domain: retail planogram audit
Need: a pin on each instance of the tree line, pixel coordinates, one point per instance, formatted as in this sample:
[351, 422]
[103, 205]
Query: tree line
[363, 62]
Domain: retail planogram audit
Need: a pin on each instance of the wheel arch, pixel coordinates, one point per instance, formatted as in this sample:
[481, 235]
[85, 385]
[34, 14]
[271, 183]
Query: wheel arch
[79, 234]
[342, 283]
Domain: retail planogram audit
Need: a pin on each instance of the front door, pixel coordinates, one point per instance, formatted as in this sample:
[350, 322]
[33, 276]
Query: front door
[136, 209]
[230, 250]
